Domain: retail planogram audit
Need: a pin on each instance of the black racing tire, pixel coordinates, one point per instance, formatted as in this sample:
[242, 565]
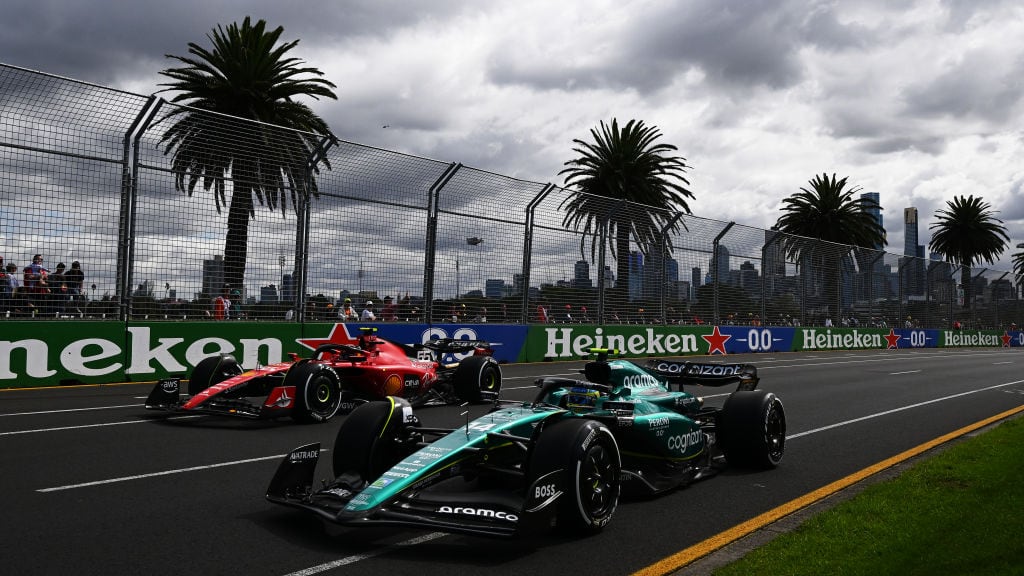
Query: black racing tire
[317, 392]
[589, 455]
[751, 429]
[475, 376]
[367, 443]
[212, 370]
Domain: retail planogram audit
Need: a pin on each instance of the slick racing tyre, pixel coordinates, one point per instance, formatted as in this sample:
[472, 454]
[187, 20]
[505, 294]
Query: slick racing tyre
[212, 370]
[751, 429]
[372, 439]
[587, 452]
[477, 379]
[317, 391]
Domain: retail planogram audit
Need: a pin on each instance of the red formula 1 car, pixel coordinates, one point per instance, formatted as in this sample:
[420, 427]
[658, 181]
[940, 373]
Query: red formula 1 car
[337, 378]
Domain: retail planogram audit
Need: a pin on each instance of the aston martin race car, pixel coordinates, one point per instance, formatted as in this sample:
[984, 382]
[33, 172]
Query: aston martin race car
[338, 377]
[559, 461]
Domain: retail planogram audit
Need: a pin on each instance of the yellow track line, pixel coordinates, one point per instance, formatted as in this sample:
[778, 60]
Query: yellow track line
[720, 540]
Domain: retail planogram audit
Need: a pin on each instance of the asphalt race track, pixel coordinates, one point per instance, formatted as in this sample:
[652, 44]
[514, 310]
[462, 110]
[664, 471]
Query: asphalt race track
[94, 484]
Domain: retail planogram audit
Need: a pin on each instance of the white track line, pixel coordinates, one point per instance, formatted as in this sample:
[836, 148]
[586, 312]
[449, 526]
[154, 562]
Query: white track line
[358, 557]
[80, 426]
[71, 410]
[901, 409]
[165, 473]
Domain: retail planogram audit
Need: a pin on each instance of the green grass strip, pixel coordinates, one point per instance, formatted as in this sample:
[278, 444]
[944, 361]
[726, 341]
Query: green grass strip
[960, 512]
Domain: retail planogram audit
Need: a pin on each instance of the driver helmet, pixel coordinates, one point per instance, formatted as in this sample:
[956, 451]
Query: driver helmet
[581, 399]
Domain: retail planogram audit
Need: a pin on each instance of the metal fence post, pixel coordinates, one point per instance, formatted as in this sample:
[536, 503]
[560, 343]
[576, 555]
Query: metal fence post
[430, 254]
[664, 268]
[715, 267]
[531, 207]
[129, 197]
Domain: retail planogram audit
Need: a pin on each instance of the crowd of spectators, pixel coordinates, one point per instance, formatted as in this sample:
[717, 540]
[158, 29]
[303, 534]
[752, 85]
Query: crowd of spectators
[35, 291]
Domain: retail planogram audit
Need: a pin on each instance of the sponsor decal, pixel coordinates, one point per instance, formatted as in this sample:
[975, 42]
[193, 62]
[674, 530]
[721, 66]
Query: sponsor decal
[567, 343]
[171, 385]
[716, 341]
[339, 492]
[814, 339]
[545, 491]
[967, 339]
[681, 442]
[659, 422]
[302, 455]
[392, 385]
[380, 483]
[480, 512]
[640, 381]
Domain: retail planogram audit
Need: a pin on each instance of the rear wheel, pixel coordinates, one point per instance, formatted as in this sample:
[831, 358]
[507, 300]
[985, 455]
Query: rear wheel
[370, 440]
[751, 429]
[212, 370]
[477, 379]
[317, 391]
[589, 456]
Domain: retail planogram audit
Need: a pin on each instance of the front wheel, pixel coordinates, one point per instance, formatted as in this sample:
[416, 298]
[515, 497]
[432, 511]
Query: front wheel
[212, 370]
[372, 439]
[587, 454]
[317, 392]
[751, 429]
[477, 379]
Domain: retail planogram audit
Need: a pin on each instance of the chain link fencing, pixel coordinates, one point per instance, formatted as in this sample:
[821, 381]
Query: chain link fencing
[101, 181]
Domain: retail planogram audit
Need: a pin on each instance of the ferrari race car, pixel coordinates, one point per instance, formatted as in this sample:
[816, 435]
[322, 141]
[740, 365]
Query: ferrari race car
[559, 461]
[338, 377]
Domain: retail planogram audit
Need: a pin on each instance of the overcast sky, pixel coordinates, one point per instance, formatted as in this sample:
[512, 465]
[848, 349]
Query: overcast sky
[917, 100]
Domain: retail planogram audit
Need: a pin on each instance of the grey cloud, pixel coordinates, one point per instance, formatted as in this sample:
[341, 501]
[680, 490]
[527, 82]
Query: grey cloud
[78, 40]
[735, 45]
[975, 88]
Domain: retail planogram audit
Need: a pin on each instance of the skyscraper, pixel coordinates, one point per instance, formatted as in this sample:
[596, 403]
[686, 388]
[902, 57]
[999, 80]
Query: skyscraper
[581, 275]
[873, 286]
[910, 231]
[913, 271]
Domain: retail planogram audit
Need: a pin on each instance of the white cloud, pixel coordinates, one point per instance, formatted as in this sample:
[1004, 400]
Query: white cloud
[916, 99]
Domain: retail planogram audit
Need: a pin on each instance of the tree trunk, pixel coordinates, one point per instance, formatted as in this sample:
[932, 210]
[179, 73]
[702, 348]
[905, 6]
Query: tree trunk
[965, 281]
[236, 243]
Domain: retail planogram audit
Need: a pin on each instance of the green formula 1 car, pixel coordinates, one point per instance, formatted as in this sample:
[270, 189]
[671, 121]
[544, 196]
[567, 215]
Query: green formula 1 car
[561, 460]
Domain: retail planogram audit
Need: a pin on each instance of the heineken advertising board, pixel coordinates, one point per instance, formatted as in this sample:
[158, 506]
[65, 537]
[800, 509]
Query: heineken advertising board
[40, 353]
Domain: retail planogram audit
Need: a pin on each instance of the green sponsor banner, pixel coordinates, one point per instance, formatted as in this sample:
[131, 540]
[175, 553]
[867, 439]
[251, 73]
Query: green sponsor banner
[818, 338]
[50, 353]
[64, 353]
[569, 341]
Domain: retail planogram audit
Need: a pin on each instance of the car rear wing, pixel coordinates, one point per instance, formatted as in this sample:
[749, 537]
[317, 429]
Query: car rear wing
[705, 373]
[457, 346]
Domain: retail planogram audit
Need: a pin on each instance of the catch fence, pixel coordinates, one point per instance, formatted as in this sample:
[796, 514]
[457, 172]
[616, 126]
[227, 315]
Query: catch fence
[88, 174]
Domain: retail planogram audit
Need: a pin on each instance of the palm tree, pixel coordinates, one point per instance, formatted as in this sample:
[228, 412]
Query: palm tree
[625, 165]
[966, 232]
[246, 76]
[1018, 267]
[827, 212]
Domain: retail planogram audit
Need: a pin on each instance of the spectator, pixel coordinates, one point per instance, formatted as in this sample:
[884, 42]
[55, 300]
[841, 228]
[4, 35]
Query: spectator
[35, 282]
[58, 289]
[347, 313]
[368, 314]
[75, 278]
[390, 311]
[8, 289]
[222, 305]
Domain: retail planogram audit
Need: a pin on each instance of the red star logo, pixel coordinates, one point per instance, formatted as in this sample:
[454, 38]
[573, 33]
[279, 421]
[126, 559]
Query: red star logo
[1006, 339]
[893, 339]
[716, 341]
[339, 335]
